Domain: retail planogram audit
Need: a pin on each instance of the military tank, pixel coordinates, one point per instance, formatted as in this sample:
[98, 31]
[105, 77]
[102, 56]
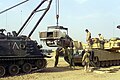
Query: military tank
[109, 56]
[18, 53]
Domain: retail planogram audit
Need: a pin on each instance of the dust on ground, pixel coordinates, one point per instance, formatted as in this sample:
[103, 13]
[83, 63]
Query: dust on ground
[64, 72]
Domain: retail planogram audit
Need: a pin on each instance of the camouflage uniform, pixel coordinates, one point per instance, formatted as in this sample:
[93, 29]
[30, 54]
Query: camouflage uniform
[101, 39]
[70, 56]
[86, 60]
[88, 38]
[59, 50]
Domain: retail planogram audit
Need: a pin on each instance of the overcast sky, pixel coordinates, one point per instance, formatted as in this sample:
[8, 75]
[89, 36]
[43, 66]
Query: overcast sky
[99, 16]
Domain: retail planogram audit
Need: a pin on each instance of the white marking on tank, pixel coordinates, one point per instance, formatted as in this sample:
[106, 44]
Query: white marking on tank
[15, 45]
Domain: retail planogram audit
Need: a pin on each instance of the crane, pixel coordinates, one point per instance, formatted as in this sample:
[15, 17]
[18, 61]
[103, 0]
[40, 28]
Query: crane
[13, 6]
[40, 19]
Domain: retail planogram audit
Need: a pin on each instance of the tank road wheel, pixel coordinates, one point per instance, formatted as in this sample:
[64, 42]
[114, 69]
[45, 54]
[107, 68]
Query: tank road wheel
[44, 63]
[107, 63]
[14, 69]
[117, 62]
[39, 64]
[102, 64]
[114, 62]
[111, 63]
[27, 67]
[97, 62]
[2, 71]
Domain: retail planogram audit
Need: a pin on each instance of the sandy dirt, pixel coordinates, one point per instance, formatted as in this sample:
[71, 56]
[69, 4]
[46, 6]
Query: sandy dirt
[63, 72]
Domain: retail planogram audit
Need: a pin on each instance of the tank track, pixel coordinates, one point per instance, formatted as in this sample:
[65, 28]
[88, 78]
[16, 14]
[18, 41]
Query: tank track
[17, 65]
[97, 63]
[107, 63]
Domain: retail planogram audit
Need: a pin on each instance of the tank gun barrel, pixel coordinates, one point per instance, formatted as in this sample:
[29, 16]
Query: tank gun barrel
[13, 6]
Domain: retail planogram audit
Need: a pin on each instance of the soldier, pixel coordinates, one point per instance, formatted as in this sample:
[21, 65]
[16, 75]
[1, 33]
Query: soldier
[59, 50]
[86, 60]
[88, 38]
[101, 39]
[70, 56]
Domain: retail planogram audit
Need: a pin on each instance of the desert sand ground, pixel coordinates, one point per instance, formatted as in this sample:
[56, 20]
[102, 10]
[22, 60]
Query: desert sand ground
[63, 72]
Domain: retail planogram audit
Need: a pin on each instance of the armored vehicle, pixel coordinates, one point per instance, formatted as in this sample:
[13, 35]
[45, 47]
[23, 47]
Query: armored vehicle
[18, 53]
[104, 57]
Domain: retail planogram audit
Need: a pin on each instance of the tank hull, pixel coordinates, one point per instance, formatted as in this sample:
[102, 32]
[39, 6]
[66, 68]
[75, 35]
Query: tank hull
[101, 58]
[18, 54]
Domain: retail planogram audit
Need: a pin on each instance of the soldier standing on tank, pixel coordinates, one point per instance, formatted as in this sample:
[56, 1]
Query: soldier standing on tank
[59, 50]
[101, 39]
[86, 60]
[88, 38]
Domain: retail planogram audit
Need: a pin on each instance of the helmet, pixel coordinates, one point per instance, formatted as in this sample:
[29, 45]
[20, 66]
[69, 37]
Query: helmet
[86, 30]
[99, 34]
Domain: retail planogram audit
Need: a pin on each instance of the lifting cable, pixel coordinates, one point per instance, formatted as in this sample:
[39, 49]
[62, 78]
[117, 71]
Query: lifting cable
[57, 11]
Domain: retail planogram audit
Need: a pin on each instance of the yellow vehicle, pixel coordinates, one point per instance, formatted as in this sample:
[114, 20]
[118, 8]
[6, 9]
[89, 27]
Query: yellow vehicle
[108, 56]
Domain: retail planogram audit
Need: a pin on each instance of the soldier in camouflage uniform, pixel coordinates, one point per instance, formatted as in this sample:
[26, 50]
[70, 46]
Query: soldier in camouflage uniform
[86, 60]
[59, 50]
[102, 41]
[88, 38]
